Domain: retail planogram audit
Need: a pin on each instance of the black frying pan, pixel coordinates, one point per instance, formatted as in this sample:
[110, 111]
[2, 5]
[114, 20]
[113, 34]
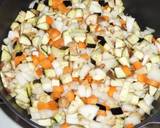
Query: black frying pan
[146, 13]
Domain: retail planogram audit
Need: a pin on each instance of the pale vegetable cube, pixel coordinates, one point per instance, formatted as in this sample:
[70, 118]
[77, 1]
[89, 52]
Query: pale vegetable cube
[89, 111]
[119, 72]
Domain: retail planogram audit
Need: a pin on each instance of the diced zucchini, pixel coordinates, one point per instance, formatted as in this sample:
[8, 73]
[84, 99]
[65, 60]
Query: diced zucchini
[119, 72]
[29, 15]
[119, 43]
[72, 13]
[24, 40]
[124, 92]
[41, 7]
[72, 118]
[133, 39]
[50, 73]
[89, 111]
[66, 78]
[79, 12]
[90, 39]
[78, 35]
[95, 7]
[43, 26]
[67, 38]
[97, 74]
[144, 107]
[21, 16]
[15, 26]
[91, 19]
[124, 61]
[36, 41]
[45, 39]
[60, 117]
[44, 122]
[149, 38]
[5, 56]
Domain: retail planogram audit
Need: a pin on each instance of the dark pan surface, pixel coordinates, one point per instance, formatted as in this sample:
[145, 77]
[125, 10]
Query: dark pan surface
[146, 13]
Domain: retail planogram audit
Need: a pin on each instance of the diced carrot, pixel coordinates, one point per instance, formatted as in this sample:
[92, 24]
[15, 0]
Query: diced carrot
[98, 82]
[49, 20]
[58, 43]
[35, 60]
[129, 126]
[91, 100]
[19, 59]
[137, 65]
[46, 64]
[154, 39]
[56, 3]
[104, 18]
[80, 19]
[127, 70]
[57, 91]
[75, 79]
[88, 78]
[62, 8]
[81, 45]
[65, 125]
[51, 58]
[98, 28]
[123, 23]
[101, 113]
[142, 78]
[52, 105]
[70, 96]
[67, 69]
[85, 56]
[54, 34]
[111, 91]
[39, 72]
[107, 107]
[152, 83]
[42, 106]
[41, 57]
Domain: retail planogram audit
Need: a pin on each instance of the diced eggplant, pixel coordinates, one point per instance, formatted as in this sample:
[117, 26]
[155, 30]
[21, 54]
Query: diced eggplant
[67, 3]
[36, 81]
[19, 53]
[103, 3]
[117, 111]
[101, 107]
[91, 45]
[93, 61]
[102, 40]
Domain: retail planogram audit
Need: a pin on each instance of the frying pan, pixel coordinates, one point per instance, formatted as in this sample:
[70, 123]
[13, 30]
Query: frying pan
[146, 13]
